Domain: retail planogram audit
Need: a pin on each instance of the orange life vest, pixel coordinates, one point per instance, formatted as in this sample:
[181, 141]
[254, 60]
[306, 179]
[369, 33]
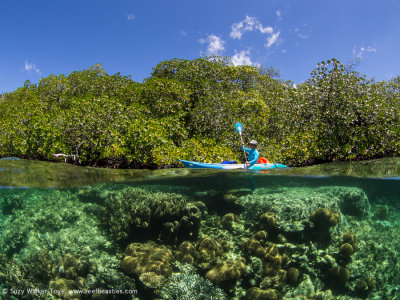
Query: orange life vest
[263, 160]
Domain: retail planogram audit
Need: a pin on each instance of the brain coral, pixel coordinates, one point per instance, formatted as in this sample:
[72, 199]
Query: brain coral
[186, 253]
[147, 257]
[325, 218]
[228, 220]
[261, 235]
[268, 220]
[272, 260]
[72, 273]
[208, 249]
[253, 247]
[350, 238]
[64, 285]
[256, 293]
[227, 271]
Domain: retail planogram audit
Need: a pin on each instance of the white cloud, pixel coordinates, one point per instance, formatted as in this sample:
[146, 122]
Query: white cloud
[248, 24]
[301, 34]
[31, 67]
[252, 24]
[368, 49]
[360, 53]
[130, 17]
[279, 15]
[272, 39]
[242, 58]
[215, 45]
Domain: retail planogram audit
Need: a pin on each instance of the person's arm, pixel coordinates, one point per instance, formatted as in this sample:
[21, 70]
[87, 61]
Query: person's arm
[245, 149]
[242, 147]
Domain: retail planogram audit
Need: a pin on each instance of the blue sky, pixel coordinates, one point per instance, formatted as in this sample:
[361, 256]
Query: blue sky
[44, 37]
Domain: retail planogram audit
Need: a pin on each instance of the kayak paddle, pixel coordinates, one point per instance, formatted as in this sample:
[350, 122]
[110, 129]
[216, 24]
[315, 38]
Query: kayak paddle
[239, 127]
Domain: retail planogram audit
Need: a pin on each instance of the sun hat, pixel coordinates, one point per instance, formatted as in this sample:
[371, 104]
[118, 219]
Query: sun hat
[253, 142]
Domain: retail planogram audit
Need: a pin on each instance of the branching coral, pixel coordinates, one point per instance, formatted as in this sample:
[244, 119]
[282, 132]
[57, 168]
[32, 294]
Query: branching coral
[187, 285]
[164, 216]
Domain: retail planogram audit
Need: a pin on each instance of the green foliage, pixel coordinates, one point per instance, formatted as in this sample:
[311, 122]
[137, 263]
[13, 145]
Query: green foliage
[340, 115]
[187, 109]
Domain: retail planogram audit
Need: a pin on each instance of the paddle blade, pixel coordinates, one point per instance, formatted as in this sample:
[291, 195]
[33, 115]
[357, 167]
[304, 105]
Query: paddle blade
[239, 127]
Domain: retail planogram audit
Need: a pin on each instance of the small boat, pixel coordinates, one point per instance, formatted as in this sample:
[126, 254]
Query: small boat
[229, 166]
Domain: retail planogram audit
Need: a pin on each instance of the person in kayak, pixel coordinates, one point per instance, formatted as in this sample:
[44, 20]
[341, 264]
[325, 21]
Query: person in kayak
[252, 152]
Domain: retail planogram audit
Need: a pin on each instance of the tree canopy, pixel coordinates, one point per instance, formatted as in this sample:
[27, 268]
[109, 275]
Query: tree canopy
[187, 109]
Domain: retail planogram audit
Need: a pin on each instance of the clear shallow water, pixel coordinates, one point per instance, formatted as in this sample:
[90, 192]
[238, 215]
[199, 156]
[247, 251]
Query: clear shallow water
[197, 234]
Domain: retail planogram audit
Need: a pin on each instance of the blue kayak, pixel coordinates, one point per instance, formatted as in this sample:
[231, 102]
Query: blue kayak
[200, 165]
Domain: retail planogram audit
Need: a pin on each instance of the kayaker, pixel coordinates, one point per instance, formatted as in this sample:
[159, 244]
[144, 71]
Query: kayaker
[252, 152]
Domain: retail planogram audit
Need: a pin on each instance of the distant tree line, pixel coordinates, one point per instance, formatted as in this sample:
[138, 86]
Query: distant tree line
[187, 109]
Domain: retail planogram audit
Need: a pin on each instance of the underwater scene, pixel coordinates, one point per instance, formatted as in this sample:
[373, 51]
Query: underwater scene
[322, 232]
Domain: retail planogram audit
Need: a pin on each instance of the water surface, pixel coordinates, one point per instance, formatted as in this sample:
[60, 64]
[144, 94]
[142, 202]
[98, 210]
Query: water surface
[323, 231]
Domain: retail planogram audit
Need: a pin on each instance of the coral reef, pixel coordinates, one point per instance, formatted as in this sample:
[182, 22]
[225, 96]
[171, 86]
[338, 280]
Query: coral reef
[72, 273]
[54, 222]
[350, 238]
[72, 267]
[290, 243]
[325, 218]
[268, 221]
[147, 257]
[229, 220]
[186, 253]
[381, 212]
[11, 204]
[227, 271]
[293, 275]
[167, 217]
[293, 206]
[186, 284]
[364, 286]
[338, 275]
[256, 293]
[261, 235]
[352, 201]
[253, 247]
[208, 249]
[346, 250]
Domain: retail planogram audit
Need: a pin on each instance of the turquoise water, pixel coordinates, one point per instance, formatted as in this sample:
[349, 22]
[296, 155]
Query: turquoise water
[322, 232]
